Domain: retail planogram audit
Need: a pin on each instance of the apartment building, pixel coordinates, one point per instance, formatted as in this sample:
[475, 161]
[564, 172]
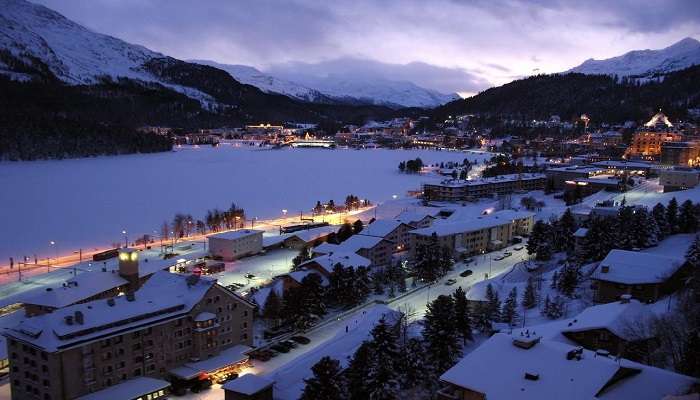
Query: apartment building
[475, 235]
[172, 322]
[455, 190]
[232, 245]
[678, 179]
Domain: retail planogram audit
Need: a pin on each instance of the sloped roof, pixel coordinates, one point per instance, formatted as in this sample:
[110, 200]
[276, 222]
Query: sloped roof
[497, 368]
[633, 267]
[622, 319]
[328, 261]
[450, 227]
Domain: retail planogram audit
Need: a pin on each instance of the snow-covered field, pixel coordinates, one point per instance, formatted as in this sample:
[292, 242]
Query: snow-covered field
[88, 202]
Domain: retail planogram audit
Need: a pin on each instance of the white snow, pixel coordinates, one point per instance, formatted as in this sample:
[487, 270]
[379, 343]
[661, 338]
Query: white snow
[338, 87]
[130, 389]
[634, 267]
[646, 63]
[247, 384]
[497, 368]
[83, 203]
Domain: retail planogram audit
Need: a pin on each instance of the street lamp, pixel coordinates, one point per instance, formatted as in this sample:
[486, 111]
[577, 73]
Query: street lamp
[126, 240]
[393, 196]
[48, 263]
[284, 212]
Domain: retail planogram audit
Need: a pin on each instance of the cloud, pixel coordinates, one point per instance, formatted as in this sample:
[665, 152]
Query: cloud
[448, 45]
[442, 79]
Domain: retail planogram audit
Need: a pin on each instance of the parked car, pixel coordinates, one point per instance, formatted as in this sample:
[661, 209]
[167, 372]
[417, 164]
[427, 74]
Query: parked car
[450, 282]
[466, 273]
[280, 349]
[518, 248]
[301, 339]
[469, 260]
[499, 258]
[507, 254]
[289, 344]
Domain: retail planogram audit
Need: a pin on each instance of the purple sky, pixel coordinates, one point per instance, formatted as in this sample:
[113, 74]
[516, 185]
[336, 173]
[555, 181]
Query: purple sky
[448, 45]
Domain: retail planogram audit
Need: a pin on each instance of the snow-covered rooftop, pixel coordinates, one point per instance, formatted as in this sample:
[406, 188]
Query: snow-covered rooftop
[410, 216]
[498, 369]
[624, 319]
[450, 227]
[129, 389]
[581, 232]
[164, 295]
[381, 227]
[328, 261]
[233, 235]
[632, 267]
[248, 384]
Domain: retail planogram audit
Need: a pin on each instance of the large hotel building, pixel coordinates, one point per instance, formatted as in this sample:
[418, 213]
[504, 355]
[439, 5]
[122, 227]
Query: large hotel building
[469, 190]
[167, 328]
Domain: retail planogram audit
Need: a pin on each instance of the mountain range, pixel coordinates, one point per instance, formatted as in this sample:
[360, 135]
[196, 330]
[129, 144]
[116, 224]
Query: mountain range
[646, 64]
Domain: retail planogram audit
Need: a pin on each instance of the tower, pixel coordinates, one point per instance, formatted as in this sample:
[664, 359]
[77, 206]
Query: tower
[129, 267]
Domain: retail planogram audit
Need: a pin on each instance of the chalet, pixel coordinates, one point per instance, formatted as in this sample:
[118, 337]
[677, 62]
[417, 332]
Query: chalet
[644, 276]
[529, 368]
[620, 328]
[324, 264]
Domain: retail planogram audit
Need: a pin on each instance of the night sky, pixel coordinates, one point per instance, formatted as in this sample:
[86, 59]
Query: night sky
[451, 46]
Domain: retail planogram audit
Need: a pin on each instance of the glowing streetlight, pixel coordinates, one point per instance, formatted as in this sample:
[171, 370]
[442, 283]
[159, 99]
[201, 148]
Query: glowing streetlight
[284, 211]
[126, 240]
[393, 196]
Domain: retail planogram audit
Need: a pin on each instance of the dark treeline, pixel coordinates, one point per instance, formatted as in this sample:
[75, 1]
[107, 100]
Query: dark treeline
[605, 98]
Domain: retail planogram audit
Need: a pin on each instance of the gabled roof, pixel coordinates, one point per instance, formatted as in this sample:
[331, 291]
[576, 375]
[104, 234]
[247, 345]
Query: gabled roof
[633, 267]
[328, 261]
[407, 217]
[624, 319]
[381, 227]
[129, 389]
[497, 368]
[248, 384]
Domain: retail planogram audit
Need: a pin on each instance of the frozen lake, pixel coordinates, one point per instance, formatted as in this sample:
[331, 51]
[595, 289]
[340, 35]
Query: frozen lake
[85, 203]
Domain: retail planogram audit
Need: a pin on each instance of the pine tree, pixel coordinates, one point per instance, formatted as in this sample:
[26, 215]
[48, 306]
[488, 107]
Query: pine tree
[555, 279]
[659, 213]
[556, 308]
[623, 234]
[545, 308]
[493, 304]
[672, 216]
[273, 306]
[652, 231]
[415, 370]
[462, 315]
[355, 374]
[509, 314]
[687, 219]
[566, 227]
[568, 280]
[540, 241]
[382, 378]
[440, 333]
[326, 382]
[529, 298]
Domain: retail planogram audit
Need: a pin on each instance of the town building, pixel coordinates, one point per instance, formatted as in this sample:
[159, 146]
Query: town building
[587, 186]
[678, 179]
[392, 230]
[455, 190]
[175, 326]
[302, 238]
[475, 235]
[646, 144]
[558, 176]
[620, 328]
[685, 154]
[376, 249]
[644, 276]
[416, 219]
[324, 264]
[527, 367]
[232, 245]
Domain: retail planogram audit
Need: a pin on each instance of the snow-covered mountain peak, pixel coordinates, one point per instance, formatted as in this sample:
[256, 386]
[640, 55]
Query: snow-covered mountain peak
[646, 63]
[72, 52]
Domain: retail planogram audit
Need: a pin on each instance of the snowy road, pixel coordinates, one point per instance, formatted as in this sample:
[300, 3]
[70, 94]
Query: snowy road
[290, 379]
